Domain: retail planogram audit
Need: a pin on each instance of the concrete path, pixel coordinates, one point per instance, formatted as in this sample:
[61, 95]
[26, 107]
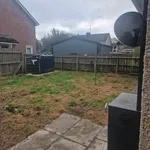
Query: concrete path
[67, 133]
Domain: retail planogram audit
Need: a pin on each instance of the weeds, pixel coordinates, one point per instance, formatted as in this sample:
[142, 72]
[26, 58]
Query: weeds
[36, 100]
[97, 103]
[100, 103]
[72, 104]
[14, 109]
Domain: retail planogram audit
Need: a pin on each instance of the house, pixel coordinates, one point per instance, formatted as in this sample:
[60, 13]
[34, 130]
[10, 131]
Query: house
[119, 47]
[83, 45]
[102, 38]
[18, 23]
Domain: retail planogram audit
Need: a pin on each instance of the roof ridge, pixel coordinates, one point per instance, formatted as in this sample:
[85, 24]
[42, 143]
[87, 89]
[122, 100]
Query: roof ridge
[94, 34]
[101, 37]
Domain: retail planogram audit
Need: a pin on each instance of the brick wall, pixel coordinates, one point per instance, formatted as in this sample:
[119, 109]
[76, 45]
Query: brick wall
[15, 22]
[145, 117]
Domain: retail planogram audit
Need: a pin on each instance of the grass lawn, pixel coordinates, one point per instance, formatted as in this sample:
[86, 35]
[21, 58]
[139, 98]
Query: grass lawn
[29, 103]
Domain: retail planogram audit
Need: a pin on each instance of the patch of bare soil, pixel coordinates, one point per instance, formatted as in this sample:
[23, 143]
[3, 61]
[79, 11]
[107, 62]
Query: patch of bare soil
[97, 116]
[9, 96]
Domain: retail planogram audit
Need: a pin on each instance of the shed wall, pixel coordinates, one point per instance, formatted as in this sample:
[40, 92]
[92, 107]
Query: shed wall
[105, 49]
[74, 46]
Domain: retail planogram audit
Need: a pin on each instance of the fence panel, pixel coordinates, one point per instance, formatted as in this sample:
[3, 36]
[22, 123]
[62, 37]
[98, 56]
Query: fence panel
[99, 63]
[10, 61]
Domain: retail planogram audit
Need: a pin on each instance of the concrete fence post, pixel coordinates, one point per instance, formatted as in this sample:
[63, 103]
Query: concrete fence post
[62, 63]
[77, 63]
[95, 64]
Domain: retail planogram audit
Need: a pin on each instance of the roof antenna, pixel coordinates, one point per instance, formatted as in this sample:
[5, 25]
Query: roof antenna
[90, 28]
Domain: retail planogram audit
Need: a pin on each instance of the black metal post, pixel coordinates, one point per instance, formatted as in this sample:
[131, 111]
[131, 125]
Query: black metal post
[143, 43]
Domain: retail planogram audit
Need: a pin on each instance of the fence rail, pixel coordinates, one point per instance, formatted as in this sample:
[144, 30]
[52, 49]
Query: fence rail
[10, 61]
[108, 63]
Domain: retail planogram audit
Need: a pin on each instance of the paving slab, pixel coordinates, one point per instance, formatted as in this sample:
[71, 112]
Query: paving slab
[67, 133]
[38, 141]
[98, 145]
[83, 132]
[103, 134]
[63, 144]
[62, 124]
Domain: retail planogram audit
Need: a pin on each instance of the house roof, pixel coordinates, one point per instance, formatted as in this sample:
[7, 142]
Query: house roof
[27, 12]
[100, 38]
[139, 4]
[81, 39]
[114, 41]
[7, 39]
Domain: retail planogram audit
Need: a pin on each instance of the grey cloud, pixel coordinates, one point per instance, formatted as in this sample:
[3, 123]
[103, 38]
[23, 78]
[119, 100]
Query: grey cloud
[69, 14]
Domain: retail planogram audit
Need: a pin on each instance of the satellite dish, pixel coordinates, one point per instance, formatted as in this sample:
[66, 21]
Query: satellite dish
[128, 27]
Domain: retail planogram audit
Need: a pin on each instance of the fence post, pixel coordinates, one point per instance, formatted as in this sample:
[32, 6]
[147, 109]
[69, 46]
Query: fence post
[95, 64]
[117, 65]
[25, 64]
[62, 63]
[132, 64]
[77, 63]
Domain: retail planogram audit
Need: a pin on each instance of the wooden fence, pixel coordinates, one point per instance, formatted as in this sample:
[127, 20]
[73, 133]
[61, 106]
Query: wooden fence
[11, 62]
[108, 63]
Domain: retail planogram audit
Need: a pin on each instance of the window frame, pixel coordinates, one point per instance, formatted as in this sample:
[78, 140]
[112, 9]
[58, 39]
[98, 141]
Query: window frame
[31, 47]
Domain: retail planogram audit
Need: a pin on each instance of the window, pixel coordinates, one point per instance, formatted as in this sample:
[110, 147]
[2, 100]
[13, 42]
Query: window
[13, 45]
[114, 50]
[115, 47]
[4, 46]
[29, 49]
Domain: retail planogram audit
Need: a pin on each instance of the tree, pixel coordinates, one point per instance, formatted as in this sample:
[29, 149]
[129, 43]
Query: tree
[38, 45]
[53, 37]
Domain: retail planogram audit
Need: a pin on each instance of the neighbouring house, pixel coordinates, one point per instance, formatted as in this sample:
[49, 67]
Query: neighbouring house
[18, 23]
[119, 47]
[104, 38]
[84, 45]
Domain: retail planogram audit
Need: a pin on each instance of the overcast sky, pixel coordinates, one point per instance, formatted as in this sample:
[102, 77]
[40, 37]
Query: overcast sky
[76, 16]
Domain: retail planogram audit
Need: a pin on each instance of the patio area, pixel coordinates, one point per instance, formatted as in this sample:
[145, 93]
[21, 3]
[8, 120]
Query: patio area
[68, 132]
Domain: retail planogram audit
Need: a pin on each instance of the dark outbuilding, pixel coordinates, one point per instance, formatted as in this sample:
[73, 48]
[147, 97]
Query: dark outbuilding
[80, 45]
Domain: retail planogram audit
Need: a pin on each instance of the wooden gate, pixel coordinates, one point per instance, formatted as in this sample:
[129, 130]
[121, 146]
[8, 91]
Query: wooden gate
[11, 62]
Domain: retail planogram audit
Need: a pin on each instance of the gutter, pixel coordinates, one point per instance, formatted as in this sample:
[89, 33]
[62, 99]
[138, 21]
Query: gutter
[139, 4]
[27, 12]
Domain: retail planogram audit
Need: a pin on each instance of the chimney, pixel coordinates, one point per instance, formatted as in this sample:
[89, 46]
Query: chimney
[88, 34]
